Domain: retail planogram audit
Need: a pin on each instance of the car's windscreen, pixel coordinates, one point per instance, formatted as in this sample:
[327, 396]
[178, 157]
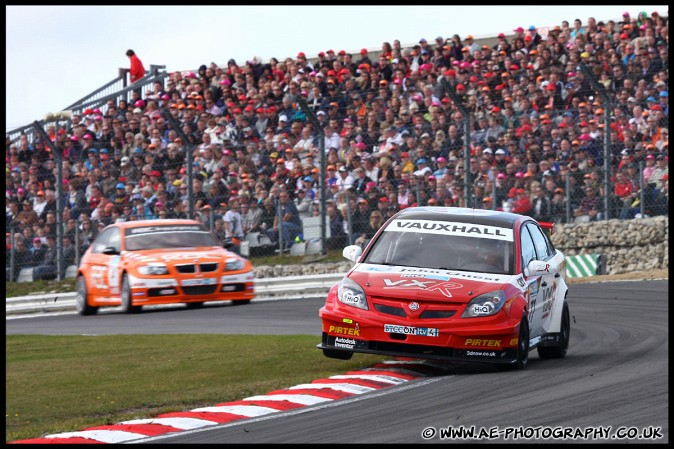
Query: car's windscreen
[446, 245]
[177, 236]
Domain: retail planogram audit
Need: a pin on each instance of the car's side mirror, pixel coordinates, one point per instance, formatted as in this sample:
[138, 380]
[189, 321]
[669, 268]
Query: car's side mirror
[352, 252]
[110, 251]
[539, 268]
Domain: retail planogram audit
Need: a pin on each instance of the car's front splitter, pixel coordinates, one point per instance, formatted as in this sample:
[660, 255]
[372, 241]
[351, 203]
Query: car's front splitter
[494, 342]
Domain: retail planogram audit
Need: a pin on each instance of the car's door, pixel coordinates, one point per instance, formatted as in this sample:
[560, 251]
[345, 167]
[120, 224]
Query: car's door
[105, 257]
[96, 267]
[544, 291]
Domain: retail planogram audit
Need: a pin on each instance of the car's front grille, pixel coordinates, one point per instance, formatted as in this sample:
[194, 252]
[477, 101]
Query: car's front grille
[200, 289]
[208, 267]
[187, 268]
[437, 313]
[389, 310]
[395, 308]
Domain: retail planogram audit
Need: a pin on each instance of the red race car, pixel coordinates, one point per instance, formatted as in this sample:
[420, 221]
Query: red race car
[452, 284]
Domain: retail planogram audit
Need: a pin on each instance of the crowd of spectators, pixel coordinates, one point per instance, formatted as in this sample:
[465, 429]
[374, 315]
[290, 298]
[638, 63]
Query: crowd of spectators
[394, 138]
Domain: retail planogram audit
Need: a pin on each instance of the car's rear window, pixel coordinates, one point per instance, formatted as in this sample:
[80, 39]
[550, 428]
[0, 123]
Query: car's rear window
[170, 236]
[446, 245]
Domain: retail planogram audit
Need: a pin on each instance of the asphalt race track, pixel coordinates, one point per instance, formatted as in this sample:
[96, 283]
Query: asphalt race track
[613, 381]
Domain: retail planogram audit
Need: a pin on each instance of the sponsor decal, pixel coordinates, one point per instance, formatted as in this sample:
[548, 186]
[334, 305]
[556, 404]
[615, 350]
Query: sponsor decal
[343, 330]
[520, 281]
[426, 276]
[138, 294]
[513, 341]
[482, 342]
[155, 229]
[451, 228]
[347, 320]
[481, 353]
[549, 296]
[348, 343]
[422, 272]
[192, 282]
[375, 268]
[409, 330]
[430, 273]
[431, 286]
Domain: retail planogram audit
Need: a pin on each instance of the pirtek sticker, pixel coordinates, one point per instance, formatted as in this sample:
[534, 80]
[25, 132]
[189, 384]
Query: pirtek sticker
[344, 330]
[480, 342]
[451, 228]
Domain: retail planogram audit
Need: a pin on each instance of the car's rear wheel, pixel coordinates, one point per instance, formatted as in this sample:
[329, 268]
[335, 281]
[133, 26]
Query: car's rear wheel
[241, 302]
[81, 299]
[194, 305]
[558, 351]
[522, 348]
[334, 354]
[127, 306]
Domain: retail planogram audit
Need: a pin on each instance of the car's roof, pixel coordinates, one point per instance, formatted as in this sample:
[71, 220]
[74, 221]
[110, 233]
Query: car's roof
[462, 215]
[160, 222]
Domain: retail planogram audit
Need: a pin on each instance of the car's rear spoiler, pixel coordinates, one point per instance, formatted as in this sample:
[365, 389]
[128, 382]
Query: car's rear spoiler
[548, 226]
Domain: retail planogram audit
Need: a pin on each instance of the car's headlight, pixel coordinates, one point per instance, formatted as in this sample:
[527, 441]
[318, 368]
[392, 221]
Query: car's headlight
[234, 264]
[153, 268]
[485, 305]
[351, 294]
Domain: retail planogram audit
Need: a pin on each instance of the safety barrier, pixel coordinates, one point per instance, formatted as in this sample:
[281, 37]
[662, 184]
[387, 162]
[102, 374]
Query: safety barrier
[584, 265]
[266, 289]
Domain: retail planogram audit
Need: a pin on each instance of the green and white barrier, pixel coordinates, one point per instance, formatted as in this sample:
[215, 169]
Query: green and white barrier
[585, 265]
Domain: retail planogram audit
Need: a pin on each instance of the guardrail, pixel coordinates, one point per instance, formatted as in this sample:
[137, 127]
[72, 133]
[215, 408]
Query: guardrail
[290, 287]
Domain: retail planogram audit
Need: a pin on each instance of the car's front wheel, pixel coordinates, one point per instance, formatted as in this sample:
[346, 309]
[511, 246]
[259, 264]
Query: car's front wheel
[127, 306]
[522, 348]
[558, 351]
[81, 299]
[334, 354]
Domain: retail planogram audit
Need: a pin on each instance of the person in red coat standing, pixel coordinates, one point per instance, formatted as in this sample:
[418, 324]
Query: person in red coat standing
[136, 71]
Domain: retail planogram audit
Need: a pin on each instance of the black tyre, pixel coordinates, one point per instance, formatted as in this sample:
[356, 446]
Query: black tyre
[522, 348]
[558, 351]
[126, 297]
[194, 305]
[334, 354]
[241, 302]
[81, 299]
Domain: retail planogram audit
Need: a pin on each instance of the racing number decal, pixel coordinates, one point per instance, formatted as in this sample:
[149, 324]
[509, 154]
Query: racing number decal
[97, 274]
[113, 275]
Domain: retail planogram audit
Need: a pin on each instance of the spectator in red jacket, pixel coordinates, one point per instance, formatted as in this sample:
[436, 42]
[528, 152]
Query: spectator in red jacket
[136, 71]
[522, 204]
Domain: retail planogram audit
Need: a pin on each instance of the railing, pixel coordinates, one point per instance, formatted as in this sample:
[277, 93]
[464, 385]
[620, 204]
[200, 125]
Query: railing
[266, 289]
[117, 89]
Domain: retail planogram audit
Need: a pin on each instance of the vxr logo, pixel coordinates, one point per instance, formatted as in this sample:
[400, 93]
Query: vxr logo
[442, 287]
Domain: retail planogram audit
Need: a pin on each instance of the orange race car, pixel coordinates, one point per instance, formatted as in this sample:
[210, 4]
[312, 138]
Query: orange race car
[139, 263]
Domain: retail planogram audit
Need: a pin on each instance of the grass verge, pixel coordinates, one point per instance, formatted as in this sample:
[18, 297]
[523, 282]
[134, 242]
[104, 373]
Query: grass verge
[67, 383]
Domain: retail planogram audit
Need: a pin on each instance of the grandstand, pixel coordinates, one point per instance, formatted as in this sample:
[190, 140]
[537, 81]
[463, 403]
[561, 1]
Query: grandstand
[566, 123]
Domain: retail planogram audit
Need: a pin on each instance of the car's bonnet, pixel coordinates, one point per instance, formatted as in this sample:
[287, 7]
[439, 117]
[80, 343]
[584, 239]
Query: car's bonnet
[180, 255]
[425, 284]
